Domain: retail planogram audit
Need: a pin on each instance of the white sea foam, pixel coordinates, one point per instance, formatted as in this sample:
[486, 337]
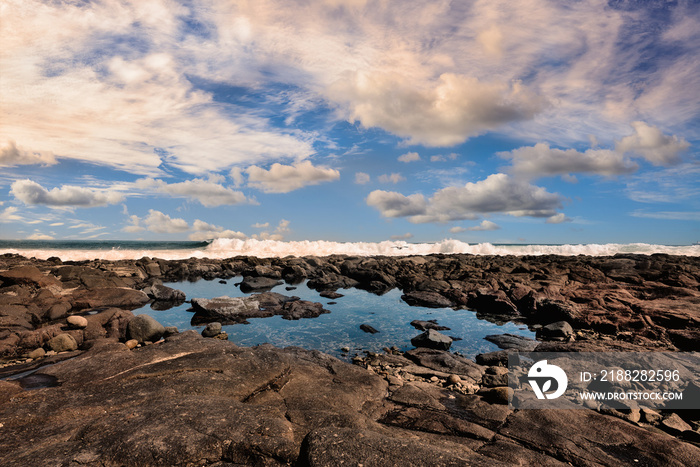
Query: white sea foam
[225, 248]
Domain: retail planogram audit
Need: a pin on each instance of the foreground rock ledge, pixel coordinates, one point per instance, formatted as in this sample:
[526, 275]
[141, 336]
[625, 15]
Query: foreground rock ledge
[195, 401]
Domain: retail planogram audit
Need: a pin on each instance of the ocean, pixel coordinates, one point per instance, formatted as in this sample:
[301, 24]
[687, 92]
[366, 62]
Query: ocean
[70, 250]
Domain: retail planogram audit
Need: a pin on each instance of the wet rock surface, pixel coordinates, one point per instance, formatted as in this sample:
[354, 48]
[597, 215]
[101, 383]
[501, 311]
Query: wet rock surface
[189, 400]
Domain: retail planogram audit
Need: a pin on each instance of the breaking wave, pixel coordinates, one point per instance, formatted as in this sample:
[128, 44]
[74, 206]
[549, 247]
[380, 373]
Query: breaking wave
[226, 248]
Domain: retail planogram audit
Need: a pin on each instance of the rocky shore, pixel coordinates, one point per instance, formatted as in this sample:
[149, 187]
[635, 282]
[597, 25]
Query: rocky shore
[112, 389]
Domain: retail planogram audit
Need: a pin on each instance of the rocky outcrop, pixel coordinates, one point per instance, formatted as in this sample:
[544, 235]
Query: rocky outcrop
[264, 305]
[193, 401]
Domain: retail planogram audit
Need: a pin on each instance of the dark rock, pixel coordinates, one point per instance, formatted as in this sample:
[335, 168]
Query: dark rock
[426, 299]
[512, 341]
[446, 362]
[367, 328]
[165, 293]
[235, 309]
[212, 329]
[498, 358]
[432, 340]
[29, 275]
[558, 330]
[145, 328]
[121, 297]
[430, 324]
[251, 284]
[170, 331]
[330, 294]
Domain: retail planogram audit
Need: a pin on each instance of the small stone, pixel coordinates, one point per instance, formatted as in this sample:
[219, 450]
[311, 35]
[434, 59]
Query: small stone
[77, 321]
[131, 343]
[63, 343]
[36, 353]
[170, 331]
[222, 336]
[367, 328]
[454, 379]
[432, 340]
[500, 395]
[345, 349]
[212, 329]
[434, 379]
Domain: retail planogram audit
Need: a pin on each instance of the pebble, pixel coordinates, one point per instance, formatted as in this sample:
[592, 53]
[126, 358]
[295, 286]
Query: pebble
[77, 321]
[131, 343]
[37, 353]
[434, 379]
[345, 349]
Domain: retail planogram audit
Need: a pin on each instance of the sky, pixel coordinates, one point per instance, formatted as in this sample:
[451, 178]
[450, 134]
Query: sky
[502, 121]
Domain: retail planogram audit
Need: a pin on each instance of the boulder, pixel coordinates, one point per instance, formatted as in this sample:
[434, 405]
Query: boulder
[165, 293]
[251, 284]
[430, 324]
[432, 340]
[561, 330]
[121, 297]
[512, 341]
[145, 328]
[368, 329]
[426, 299]
[63, 343]
[212, 329]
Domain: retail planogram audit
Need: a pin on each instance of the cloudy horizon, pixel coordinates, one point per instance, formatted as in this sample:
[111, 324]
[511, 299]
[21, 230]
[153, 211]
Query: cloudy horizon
[351, 120]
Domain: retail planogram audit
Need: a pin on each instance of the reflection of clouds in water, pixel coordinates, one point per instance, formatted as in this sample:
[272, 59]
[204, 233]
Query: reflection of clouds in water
[340, 328]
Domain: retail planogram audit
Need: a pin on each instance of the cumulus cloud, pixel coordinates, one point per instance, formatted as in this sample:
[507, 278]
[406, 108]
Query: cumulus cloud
[443, 113]
[540, 161]
[391, 178]
[457, 229]
[409, 157]
[285, 178]
[498, 193]
[205, 231]
[207, 192]
[484, 226]
[405, 236]
[651, 144]
[159, 222]
[647, 142]
[11, 155]
[30, 192]
[393, 204]
[362, 178]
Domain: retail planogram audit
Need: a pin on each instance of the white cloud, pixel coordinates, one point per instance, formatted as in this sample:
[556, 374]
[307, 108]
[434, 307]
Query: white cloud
[457, 229]
[485, 226]
[540, 161]
[669, 215]
[392, 204]
[12, 155]
[39, 236]
[30, 192]
[405, 236]
[134, 226]
[207, 192]
[651, 144]
[278, 234]
[409, 157]
[10, 215]
[392, 178]
[442, 113]
[285, 178]
[259, 225]
[361, 178]
[205, 231]
[158, 222]
[498, 193]
[558, 219]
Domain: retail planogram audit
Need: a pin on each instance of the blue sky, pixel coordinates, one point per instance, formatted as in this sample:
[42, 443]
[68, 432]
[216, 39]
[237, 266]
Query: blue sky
[496, 121]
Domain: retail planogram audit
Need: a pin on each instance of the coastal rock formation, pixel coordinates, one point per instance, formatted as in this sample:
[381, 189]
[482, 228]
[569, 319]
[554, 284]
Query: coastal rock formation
[190, 400]
[263, 305]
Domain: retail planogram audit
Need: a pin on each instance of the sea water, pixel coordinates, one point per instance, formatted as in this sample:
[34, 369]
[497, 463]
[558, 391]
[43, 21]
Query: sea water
[340, 328]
